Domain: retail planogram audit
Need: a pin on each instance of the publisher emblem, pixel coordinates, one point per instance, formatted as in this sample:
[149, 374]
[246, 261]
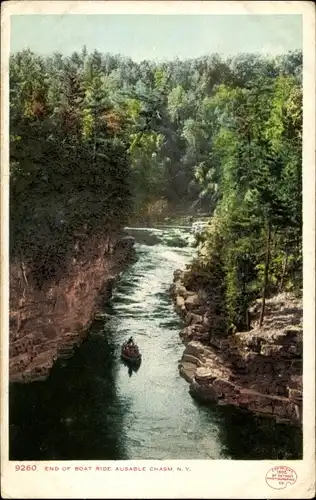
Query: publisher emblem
[280, 476]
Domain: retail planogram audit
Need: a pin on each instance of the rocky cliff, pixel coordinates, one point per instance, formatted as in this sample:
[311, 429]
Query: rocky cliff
[50, 321]
[259, 370]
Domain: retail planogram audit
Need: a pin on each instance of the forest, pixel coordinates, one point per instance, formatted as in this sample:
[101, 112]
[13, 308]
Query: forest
[98, 140]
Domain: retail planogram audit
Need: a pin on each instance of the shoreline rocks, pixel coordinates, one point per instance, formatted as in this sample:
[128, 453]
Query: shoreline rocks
[259, 370]
[50, 324]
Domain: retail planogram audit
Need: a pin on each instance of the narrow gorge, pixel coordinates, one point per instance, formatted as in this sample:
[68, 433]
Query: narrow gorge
[151, 198]
[92, 406]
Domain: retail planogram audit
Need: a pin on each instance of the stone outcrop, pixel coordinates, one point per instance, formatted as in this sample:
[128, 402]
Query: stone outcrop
[49, 323]
[259, 370]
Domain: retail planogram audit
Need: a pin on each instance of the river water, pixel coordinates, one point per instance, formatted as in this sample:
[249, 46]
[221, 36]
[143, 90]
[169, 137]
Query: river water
[93, 407]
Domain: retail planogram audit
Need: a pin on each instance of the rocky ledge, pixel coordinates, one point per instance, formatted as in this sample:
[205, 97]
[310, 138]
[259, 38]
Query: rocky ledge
[259, 370]
[50, 323]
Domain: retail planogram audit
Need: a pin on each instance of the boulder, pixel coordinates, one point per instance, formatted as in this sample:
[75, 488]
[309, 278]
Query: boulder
[188, 358]
[180, 305]
[193, 332]
[225, 387]
[181, 290]
[178, 275]
[215, 342]
[192, 302]
[201, 337]
[195, 349]
[203, 393]
[193, 319]
[187, 334]
[204, 375]
[187, 371]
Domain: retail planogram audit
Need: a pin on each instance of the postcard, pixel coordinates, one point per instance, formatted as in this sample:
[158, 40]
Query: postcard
[158, 249]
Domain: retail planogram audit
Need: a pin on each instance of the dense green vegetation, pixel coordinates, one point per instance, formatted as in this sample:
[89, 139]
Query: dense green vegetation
[96, 138]
[253, 246]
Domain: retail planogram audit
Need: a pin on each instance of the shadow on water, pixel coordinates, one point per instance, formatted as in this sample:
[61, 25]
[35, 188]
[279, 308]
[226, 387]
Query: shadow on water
[131, 368]
[75, 414]
[245, 436]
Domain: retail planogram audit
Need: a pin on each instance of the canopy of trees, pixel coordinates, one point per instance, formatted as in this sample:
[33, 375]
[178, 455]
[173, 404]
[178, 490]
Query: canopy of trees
[96, 137]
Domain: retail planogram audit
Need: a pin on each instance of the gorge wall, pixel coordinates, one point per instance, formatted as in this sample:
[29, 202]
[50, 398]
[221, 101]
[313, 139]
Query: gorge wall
[49, 322]
[259, 370]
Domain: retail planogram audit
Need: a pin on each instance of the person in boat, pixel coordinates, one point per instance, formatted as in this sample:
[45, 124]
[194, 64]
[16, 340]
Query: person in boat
[131, 348]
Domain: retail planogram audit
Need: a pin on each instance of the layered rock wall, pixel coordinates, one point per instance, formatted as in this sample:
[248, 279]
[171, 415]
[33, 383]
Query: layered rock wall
[49, 323]
[259, 370]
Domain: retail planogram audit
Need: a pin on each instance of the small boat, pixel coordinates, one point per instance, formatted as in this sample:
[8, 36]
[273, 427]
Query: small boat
[130, 353]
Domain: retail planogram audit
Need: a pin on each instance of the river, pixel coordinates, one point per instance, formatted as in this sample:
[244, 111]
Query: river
[92, 407]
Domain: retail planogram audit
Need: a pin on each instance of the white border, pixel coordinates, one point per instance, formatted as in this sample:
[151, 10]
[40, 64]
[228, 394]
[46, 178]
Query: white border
[206, 479]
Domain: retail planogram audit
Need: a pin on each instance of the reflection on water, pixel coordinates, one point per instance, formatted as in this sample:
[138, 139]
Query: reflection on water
[75, 414]
[94, 407]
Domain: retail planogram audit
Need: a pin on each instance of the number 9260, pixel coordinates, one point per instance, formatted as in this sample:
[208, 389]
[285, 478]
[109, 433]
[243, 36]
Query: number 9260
[25, 467]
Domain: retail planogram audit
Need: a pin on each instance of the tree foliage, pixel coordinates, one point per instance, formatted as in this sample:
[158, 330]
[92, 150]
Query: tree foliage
[96, 137]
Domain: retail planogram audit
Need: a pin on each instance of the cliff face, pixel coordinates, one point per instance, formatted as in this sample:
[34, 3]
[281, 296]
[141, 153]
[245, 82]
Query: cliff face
[49, 322]
[259, 370]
